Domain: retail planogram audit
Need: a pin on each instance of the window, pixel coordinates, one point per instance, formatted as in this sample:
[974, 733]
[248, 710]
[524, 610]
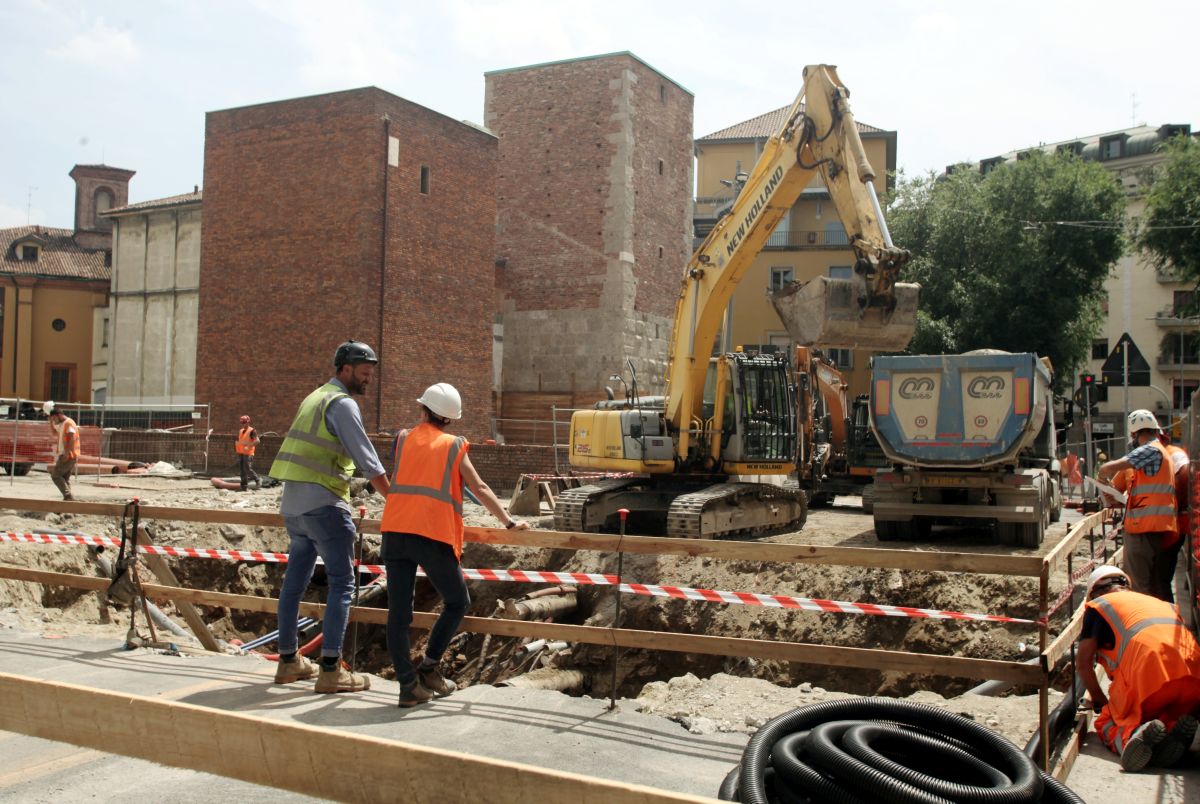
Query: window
[29, 253]
[1112, 147]
[841, 272]
[1100, 349]
[662, 92]
[1, 321]
[1184, 303]
[1188, 388]
[780, 276]
[60, 381]
[841, 358]
[988, 165]
[424, 180]
[104, 202]
[104, 334]
[835, 234]
[661, 166]
[660, 252]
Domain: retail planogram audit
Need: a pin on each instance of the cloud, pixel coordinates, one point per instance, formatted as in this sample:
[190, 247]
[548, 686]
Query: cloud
[101, 46]
[351, 43]
[11, 215]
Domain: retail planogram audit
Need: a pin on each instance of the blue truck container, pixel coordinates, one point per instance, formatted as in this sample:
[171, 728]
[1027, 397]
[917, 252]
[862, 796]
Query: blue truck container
[971, 441]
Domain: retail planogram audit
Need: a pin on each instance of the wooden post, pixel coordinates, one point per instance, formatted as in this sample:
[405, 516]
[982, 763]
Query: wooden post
[191, 614]
[1043, 643]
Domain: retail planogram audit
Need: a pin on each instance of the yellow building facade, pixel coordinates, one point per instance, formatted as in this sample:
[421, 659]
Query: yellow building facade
[809, 242]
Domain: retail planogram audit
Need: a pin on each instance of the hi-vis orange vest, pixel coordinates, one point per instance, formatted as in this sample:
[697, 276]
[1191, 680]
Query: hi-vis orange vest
[1151, 506]
[66, 439]
[1152, 648]
[245, 443]
[426, 494]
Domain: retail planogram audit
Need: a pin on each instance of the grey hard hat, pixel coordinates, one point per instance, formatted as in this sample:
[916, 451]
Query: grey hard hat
[352, 352]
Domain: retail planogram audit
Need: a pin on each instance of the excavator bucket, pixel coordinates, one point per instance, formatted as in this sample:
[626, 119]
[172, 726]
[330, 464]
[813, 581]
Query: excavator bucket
[826, 312]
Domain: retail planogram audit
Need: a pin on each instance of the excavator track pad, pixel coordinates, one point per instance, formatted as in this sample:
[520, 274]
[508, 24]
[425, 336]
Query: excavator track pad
[727, 509]
[827, 313]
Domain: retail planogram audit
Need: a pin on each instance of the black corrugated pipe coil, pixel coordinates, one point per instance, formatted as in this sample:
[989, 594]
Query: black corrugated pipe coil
[862, 751]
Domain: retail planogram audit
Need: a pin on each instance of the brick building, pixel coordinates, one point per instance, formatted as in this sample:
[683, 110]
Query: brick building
[352, 214]
[593, 228]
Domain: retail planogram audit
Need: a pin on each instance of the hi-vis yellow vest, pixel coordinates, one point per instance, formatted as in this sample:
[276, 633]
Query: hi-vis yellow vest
[312, 454]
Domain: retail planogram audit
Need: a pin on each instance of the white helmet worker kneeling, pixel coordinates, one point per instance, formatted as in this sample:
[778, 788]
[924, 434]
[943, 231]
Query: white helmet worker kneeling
[1151, 525]
[423, 525]
[1148, 716]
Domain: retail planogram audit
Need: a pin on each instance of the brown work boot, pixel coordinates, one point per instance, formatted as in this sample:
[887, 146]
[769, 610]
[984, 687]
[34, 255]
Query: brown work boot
[414, 694]
[341, 680]
[298, 669]
[435, 682]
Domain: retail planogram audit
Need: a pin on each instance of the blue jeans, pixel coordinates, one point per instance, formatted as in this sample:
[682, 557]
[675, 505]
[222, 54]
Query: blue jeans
[402, 552]
[327, 532]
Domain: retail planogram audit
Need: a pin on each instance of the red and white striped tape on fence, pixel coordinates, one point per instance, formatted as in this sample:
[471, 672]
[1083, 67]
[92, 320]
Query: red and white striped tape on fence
[539, 576]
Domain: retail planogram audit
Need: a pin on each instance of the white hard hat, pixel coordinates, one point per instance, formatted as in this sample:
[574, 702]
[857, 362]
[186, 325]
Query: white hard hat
[48, 407]
[443, 399]
[1143, 420]
[1102, 572]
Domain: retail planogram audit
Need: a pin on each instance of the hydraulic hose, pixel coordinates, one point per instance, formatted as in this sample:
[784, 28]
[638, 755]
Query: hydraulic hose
[855, 751]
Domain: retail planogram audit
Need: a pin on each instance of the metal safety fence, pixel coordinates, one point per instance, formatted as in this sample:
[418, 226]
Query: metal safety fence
[113, 438]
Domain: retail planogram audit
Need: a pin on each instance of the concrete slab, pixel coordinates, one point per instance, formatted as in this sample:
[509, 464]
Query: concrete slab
[537, 727]
[1096, 776]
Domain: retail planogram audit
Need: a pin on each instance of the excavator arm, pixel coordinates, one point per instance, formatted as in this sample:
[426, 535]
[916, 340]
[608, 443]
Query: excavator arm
[870, 309]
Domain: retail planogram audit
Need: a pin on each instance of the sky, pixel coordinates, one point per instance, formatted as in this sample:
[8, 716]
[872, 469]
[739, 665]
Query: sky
[127, 83]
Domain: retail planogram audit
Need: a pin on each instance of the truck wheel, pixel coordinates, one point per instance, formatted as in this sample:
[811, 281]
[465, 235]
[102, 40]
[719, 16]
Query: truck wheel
[887, 530]
[1031, 534]
[868, 498]
[820, 499]
[22, 469]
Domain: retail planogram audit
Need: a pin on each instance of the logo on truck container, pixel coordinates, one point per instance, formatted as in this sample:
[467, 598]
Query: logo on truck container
[986, 387]
[916, 388]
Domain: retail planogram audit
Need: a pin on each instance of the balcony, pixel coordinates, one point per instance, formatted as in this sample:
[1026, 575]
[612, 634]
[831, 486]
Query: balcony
[805, 239]
[1171, 317]
[1166, 276]
[1169, 364]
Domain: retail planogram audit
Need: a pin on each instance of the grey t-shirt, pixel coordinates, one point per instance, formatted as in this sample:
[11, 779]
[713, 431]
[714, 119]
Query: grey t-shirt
[344, 420]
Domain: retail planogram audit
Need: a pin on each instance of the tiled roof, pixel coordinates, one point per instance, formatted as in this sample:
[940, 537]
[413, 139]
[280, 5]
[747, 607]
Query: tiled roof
[60, 256]
[767, 125]
[158, 203]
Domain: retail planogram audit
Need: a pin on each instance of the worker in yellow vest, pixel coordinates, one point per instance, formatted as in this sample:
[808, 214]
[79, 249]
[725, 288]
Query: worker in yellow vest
[1151, 525]
[423, 525]
[1148, 715]
[316, 460]
[65, 440]
[247, 440]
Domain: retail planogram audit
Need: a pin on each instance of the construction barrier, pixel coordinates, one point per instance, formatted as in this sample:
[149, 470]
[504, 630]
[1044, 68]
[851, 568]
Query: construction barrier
[1040, 567]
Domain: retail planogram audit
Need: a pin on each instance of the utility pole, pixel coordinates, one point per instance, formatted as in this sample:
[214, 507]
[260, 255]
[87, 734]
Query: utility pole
[1125, 383]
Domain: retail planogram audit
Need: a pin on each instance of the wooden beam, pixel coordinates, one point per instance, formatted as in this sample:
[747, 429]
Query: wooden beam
[315, 761]
[1066, 760]
[800, 652]
[1073, 537]
[1062, 643]
[922, 560]
[158, 565]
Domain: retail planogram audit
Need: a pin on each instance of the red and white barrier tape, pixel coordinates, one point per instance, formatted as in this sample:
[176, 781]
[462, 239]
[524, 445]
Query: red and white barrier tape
[538, 576]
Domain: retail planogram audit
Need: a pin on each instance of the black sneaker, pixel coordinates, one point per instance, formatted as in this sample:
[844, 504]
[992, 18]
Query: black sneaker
[413, 694]
[1175, 744]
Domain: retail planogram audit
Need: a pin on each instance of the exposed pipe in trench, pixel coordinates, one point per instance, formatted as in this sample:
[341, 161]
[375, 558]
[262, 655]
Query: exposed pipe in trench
[156, 614]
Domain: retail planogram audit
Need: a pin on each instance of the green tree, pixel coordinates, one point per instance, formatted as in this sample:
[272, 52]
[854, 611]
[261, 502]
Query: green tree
[1015, 259]
[1170, 229]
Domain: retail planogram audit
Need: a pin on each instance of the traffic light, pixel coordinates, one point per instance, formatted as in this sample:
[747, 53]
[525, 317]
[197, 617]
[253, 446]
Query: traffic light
[1087, 379]
[1088, 393]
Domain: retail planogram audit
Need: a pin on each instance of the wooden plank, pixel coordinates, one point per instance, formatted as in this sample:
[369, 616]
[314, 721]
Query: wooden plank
[1066, 760]
[922, 560]
[804, 653]
[1062, 643]
[191, 616]
[259, 750]
[1073, 537]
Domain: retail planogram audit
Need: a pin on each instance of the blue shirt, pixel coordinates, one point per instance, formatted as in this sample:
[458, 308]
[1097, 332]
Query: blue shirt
[344, 420]
[1146, 458]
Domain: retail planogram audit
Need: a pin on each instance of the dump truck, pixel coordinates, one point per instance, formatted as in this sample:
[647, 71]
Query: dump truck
[970, 439]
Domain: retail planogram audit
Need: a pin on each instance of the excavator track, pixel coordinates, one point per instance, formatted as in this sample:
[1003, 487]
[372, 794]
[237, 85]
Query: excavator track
[726, 509]
[571, 506]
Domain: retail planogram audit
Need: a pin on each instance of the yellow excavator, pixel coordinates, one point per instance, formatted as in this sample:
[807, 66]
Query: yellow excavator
[696, 457]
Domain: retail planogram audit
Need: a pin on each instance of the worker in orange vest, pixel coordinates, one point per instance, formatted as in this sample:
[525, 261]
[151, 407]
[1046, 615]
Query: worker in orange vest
[1148, 716]
[65, 440]
[1151, 525]
[423, 525]
[247, 440]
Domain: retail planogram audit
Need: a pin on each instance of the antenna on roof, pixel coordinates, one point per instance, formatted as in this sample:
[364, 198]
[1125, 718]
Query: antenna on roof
[1133, 109]
[29, 203]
